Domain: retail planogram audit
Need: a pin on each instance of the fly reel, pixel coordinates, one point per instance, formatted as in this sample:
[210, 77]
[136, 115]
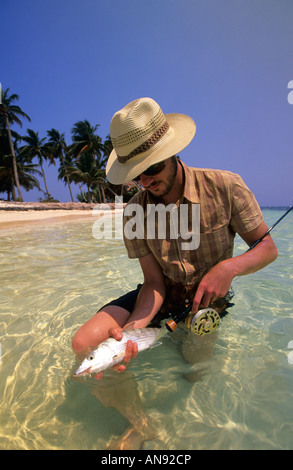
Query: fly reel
[205, 321]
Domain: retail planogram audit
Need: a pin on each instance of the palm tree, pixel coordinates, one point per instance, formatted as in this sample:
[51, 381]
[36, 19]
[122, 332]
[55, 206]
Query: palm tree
[86, 143]
[37, 147]
[10, 113]
[88, 172]
[85, 140]
[7, 181]
[119, 188]
[57, 142]
[26, 172]
[107, 146]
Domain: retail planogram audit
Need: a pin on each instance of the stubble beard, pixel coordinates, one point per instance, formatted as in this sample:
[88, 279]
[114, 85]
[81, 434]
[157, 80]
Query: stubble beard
[168, 184]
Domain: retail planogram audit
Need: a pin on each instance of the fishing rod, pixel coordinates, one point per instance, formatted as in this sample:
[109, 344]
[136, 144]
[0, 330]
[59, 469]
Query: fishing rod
[271, 228]
[207, 320]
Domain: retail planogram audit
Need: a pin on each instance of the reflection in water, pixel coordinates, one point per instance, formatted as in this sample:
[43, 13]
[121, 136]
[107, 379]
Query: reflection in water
[54, 278]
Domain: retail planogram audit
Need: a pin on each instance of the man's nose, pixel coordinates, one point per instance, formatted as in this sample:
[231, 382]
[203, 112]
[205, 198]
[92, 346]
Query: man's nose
[145, 180]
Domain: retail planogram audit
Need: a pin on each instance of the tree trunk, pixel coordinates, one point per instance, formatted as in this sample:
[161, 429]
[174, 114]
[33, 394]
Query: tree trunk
[13, 159]
[69, 187]
[82, 193]
[13, 189]
[103, 193]
[99, 193]
[89, 193]
[45, 183]
[66, 176]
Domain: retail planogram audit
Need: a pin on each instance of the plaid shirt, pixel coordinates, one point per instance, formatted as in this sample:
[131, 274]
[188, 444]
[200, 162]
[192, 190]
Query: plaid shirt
[227, 207]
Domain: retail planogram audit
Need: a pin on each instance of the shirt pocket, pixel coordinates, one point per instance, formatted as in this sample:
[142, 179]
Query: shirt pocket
[214, 246]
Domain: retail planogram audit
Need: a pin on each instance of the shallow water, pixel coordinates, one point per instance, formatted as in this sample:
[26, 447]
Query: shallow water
[53, 278]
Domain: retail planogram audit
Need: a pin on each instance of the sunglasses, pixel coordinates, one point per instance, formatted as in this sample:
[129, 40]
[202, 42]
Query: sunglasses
[152, 170]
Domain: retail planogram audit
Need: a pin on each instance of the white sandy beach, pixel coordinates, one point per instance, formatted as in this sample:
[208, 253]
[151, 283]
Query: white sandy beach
[14, 214]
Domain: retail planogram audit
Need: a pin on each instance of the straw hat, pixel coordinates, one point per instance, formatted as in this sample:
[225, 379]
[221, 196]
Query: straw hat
[142, 136]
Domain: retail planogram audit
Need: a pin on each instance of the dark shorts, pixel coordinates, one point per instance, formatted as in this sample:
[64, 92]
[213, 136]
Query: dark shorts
[128, 300]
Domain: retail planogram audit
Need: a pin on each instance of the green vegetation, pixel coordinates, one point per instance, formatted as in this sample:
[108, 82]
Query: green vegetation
[82, 162]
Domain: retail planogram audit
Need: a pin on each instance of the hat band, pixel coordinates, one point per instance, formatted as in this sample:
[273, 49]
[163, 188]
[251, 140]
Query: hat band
[148, 144]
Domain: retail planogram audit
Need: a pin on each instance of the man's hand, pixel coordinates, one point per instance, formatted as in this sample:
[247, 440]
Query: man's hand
[217, 281]
[215, 284]
[130, 351]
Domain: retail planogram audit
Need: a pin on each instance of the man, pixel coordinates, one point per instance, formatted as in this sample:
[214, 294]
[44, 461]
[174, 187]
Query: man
[145, 143]
[175, 272]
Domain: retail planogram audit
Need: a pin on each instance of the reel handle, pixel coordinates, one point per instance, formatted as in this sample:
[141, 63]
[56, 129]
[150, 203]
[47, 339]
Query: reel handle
[172, 324]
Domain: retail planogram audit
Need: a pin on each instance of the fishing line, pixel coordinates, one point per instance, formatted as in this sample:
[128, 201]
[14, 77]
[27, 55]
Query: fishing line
[283, 226]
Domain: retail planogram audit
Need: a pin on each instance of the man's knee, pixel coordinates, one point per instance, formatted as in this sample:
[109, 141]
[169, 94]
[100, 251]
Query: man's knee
[97, 328]
[197, 349]
[79, 343]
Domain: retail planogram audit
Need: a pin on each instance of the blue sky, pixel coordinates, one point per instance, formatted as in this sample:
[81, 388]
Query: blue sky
[226, 63]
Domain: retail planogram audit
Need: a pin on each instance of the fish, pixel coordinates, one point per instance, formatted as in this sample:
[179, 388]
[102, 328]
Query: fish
[111, 351]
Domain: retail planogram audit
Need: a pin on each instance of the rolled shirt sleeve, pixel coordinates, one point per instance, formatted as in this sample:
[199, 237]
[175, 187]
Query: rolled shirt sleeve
[246, 214]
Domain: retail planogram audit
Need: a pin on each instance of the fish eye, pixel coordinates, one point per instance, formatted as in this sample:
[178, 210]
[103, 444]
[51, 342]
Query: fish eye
[91, 357]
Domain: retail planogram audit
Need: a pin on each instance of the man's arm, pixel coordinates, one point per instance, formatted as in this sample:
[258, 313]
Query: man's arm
[151, 295]
[217, 281]
[149, 302]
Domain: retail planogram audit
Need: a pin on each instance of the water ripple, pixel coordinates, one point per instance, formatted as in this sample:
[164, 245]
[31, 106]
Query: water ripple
[54, 278]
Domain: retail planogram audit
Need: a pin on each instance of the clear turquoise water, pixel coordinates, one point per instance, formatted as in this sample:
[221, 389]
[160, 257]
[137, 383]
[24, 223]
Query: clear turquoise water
[53, 278]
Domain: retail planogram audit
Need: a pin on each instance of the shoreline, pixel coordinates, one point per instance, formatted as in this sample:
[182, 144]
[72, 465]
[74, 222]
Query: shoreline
[43, 206]
[19, 214]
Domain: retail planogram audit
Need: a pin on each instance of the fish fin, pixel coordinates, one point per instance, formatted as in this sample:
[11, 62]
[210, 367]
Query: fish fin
[119, 357]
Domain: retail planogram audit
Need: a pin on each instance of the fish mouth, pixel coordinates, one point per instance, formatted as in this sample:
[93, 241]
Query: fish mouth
[80, 373]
